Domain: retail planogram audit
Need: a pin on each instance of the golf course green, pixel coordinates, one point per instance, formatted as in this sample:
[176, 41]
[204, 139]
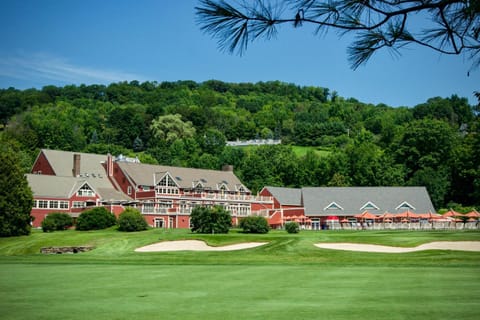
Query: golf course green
[287, 278]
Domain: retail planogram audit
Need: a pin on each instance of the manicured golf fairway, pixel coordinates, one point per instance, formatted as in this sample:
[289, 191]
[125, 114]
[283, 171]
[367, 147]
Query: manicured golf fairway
[112, 282]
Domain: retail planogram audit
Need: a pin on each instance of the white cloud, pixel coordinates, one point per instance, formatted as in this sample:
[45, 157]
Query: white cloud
[40, 68]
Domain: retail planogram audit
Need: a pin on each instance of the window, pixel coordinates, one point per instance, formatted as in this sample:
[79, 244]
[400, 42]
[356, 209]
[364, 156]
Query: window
[167, 186]
[35, 203]
[43, 204]
[146, 188]
[405, 206]
[148, 207]
[85, 191]
[129, 190]
[79, 204]
[369, 206]
[53, 205]
[333, 206]
[63, 204]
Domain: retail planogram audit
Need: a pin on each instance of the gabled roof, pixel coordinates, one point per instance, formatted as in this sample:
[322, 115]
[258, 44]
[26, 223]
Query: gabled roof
[186, 178]
[352, 199]
[62, 162]
[286, 196]
[64, 187]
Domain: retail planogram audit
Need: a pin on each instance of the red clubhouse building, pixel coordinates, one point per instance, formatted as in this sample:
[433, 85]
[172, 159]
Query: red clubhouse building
[72, 182]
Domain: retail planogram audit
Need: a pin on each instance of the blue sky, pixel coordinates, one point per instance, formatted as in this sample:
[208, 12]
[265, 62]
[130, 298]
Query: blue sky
[63, 42]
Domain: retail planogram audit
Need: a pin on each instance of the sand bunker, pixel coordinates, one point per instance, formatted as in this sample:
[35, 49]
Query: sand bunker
[440, 245]
[195, 245]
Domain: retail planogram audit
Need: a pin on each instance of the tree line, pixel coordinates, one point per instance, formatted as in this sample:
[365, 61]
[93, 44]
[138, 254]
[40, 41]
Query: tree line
[185, 123]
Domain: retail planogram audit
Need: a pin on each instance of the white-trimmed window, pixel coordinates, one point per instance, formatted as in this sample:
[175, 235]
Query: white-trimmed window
[78, 204]
[85, 191]
[405, 206]
[167, 185]
[129, 190]
[53, 204]
[333, 206]
[369, 206]
[43, 204]
[148, 207]
[63, 204]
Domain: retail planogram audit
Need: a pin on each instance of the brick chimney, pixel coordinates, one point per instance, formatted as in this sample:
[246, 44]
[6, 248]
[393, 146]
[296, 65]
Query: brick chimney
[227, 167]
[76, 165]
[109, 165]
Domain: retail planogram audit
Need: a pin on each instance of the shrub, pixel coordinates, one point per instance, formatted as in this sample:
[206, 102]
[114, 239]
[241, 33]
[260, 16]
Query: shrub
[57, 221]
[95, 219]
[131, 220]
[292, 227]
[254, 224]
[210, 220]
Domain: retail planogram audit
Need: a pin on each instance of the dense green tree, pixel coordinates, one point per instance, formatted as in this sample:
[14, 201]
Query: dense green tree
[210, 220]
[426, 143]
[16, 199]
[171, 127]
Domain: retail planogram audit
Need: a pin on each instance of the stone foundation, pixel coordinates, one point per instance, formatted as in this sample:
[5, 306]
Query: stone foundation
[62, 250]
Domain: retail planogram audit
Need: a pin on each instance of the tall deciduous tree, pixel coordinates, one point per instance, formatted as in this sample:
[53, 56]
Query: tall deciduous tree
[171, 127]
[16, 197]
[453, 25]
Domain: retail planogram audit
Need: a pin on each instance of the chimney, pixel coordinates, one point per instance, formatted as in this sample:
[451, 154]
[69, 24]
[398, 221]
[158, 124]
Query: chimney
[76, 165]
[227, 167]
[109, 165]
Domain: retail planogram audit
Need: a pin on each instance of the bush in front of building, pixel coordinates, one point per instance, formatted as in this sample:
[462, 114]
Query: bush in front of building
[95, 219]
[292, 227]
[254, 224]
[131, 220]
[57, 221]
[210, 220]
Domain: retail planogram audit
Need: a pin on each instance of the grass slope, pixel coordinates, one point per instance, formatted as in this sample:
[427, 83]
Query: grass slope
[287, 279]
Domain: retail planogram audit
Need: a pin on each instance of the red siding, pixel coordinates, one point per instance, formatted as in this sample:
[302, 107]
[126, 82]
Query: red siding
[42, 166]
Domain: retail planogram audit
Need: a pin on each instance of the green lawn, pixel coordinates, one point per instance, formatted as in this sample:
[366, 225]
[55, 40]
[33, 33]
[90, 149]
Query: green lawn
[287, 279]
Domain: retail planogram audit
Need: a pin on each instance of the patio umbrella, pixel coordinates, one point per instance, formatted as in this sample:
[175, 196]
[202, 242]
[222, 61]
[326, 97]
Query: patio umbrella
[452, 213]
[345, 220]
[332, 218]
[366, 215]
[408, 215]
[473, 214]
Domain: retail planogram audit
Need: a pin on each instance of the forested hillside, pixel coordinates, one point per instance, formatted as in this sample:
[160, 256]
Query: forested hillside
[184, 123]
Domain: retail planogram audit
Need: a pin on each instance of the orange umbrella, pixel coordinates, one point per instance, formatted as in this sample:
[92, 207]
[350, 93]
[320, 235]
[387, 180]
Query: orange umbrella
[452, 213]
[344, 220]
[366, 215]
[387, 215]
[473, 214]
[408, 215]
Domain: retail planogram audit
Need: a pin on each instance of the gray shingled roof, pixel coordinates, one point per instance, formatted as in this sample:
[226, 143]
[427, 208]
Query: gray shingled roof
[286, 196]
[62, 162]
[64, 187]
[321, 201]
[143, 174]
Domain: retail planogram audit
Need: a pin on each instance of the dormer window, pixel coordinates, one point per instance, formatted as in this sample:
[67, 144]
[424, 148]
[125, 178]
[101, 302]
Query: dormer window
[199, 188]
[85, 191]
[405, 206]
[167, 185]
[333, 206]
[369, 206]
[242, 190]
[223, 188]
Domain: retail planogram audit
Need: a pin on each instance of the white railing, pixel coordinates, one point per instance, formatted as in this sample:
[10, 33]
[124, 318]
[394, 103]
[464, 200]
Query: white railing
[227, 197]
